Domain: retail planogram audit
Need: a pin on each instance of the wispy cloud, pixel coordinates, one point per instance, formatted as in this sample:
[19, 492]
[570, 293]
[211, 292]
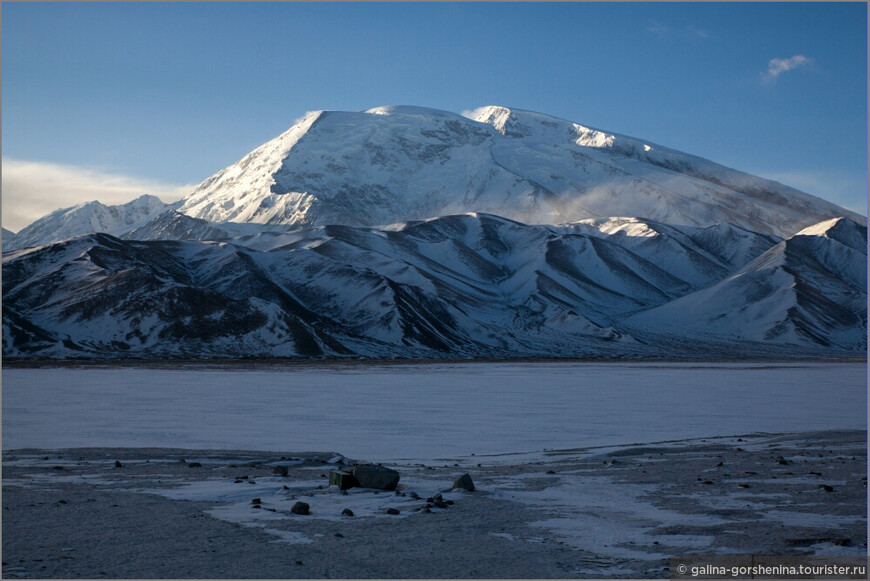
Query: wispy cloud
[33, 189]
[844, 188]
[688, 32]
[697, 32]
[658, 29]
[778, 66]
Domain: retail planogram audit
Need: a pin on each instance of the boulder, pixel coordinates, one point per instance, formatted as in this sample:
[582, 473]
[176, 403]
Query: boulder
[377, 477]
[299, 508]
[342, 478]
[347, 512]
[464, 482]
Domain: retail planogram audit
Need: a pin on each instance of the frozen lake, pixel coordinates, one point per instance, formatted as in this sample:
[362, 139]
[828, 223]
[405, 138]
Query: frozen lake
[426, 411]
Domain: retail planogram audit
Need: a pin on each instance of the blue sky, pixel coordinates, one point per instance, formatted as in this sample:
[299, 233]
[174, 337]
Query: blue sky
[106, 100]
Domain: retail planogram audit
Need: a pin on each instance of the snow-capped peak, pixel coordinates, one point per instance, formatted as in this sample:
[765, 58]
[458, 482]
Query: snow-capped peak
[87, 218]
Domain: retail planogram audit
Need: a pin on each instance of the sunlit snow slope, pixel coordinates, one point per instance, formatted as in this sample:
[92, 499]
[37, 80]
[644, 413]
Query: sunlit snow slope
[392, 164]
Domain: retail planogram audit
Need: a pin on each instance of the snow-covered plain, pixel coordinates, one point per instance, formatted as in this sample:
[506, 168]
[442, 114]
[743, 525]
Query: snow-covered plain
[423, 412]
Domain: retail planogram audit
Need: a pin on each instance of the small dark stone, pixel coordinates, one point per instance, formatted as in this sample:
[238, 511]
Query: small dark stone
[286, 487]
[450, 502]
[339, 535]
[826, 488]
[782, 461]
[347, 512]
[194, 465]
[256, 506]
[44, 458]
[256, 501]
[118, 464]
[299, 563]
[414, 495]
[438, 503]
[743, 485]
[720, 464]
[464, 482]
[300, 508]
[237, 481]
[62, 501]
[392, 511]
[57, 468]
[707, 482]
[280, 470]
[551, 471]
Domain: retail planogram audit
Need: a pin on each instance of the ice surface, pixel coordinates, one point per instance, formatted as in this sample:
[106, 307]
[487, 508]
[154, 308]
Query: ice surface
[423, 412]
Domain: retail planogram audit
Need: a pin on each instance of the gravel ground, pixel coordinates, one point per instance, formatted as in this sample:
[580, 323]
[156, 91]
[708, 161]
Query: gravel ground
[615, 512]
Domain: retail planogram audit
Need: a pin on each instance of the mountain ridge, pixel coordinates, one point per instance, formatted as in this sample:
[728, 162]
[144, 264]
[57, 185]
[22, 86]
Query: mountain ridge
[464, 286]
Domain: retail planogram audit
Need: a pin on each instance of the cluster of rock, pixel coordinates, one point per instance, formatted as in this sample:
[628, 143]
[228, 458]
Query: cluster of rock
[376, 477]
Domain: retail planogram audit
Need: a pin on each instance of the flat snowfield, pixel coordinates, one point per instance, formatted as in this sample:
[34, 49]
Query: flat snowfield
[581, 469]
[425, 411]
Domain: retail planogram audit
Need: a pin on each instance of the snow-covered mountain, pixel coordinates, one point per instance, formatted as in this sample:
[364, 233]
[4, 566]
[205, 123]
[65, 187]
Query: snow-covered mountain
[85, 219]
[809, 288]
[173, 225]
[412, 232]
[392, 164]
[469, 285]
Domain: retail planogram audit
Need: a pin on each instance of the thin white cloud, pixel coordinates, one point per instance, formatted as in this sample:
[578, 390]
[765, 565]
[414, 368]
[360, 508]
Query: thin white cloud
[696, 32]
[658, 29]
[33, 189]
[688, 32]
[778, 66]
[844, 188]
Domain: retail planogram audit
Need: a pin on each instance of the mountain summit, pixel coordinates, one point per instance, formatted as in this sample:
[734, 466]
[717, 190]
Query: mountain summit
[393, 164]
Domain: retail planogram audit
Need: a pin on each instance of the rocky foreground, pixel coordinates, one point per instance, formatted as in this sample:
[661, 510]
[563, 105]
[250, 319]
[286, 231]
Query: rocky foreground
[614, 512]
